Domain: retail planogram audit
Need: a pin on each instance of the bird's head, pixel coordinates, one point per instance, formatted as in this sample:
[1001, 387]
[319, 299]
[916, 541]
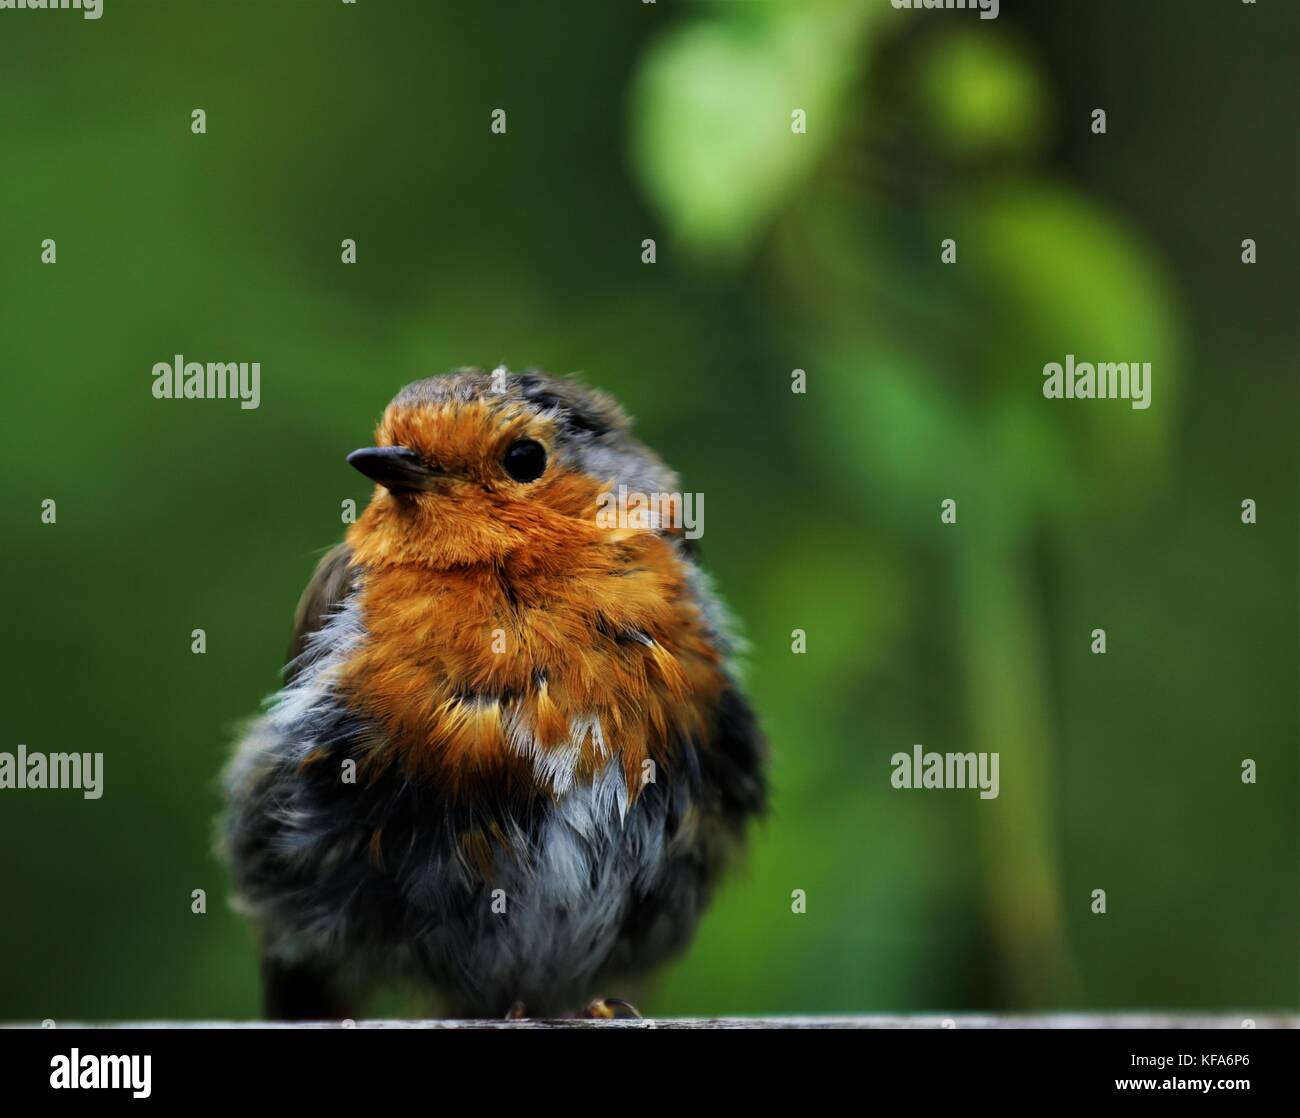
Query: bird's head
[478, 467]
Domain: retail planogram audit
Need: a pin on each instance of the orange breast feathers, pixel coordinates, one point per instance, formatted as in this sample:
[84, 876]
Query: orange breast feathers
[570, 647]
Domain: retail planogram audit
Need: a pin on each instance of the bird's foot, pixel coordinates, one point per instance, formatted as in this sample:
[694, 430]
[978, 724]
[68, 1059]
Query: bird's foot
[611, 1009]
[516, 1012]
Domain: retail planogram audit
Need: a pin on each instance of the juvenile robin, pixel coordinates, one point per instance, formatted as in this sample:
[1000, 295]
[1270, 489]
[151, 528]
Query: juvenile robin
[511, 757]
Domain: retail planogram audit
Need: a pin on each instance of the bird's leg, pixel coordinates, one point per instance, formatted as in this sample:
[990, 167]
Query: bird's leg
[516, 1012]
[611, 1009]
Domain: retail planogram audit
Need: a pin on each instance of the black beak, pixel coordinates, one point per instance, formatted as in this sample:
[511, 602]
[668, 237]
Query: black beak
[394, 467]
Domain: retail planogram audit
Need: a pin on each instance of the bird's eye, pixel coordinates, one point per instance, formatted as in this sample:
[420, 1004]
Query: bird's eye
[525, 460]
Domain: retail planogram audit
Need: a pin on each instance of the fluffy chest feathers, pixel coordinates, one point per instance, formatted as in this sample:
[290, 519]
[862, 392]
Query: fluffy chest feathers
[536, 671]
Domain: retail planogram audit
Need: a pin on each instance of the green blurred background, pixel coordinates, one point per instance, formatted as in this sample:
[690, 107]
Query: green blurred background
[776, 251]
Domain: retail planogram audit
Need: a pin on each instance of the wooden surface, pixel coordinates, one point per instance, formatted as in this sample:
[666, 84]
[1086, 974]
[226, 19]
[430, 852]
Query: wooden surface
[917, 1021]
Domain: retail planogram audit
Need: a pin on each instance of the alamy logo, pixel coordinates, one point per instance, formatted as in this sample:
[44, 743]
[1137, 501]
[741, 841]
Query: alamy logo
[74, 1070]
[1107, 380]
[217, 380]
[55, 770]
[919, 769]
[90, 9]
[682, 512]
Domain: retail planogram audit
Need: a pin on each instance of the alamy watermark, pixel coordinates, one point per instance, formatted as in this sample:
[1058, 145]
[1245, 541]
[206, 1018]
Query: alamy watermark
[217, 380]
[920, 769]
[1106, 380]
[55, 770]
[682, 512]
[90, 9]
[988, 9]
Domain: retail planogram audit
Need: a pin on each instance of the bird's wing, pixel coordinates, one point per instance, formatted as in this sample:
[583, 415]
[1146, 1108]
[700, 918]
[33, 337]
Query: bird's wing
[328, 587]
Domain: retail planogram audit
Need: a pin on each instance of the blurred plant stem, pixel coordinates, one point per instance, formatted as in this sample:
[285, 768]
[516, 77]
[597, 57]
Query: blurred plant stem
[1002, 652]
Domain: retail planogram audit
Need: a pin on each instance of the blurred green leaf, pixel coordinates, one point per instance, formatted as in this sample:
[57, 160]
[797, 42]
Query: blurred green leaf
[711, 114]
[1057, 275]
[981, 94]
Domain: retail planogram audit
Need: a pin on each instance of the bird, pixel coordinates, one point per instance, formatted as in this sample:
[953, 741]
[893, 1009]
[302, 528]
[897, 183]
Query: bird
[511, 758]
